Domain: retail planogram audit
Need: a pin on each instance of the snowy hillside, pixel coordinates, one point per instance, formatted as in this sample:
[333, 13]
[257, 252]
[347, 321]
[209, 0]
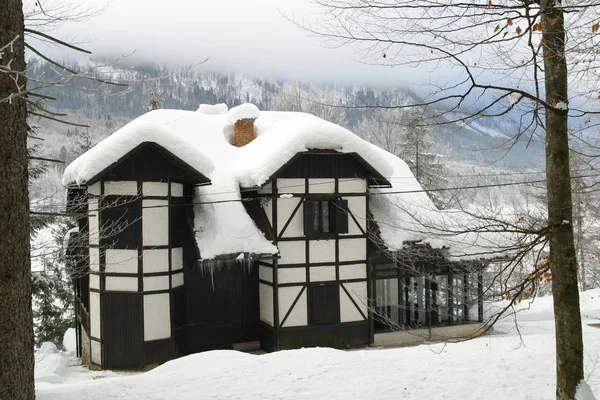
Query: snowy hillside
[185, 89]
[510, 364]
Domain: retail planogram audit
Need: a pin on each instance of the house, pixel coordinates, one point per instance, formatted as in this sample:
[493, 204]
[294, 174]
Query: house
[209, 229]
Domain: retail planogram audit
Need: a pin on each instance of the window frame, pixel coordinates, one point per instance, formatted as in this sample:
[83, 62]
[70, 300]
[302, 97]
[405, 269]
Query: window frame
[337, 215]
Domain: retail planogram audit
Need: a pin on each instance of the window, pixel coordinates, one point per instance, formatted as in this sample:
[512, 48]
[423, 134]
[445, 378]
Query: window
[325, 217]
[324, 304]
[120, 222]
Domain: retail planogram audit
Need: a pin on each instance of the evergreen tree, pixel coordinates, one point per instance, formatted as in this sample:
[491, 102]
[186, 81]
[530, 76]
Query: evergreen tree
[156, 96]
[53, 293]
[419, 152]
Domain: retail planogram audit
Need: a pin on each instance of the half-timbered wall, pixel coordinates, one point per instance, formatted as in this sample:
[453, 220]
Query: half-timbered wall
[136, 268]
[315, 292]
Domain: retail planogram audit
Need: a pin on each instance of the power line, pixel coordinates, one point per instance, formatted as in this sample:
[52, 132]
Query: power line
[383, 192]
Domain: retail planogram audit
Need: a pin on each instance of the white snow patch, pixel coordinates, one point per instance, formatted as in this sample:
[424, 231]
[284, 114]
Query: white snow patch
[67, 237]
[70, 341]
[50, 364]
[584, 392]
[213, 109]
[243, 111]
[514, 97]
[561, 105]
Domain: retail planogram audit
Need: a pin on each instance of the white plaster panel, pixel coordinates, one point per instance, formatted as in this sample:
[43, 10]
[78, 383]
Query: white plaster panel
[94, 233]
[176, 258]
[268, 188]
[355, 271]
[96, 352]
[265, 273]
[155, 189]
[157, 317]
[94, 259]
[293, 252]
[353, 249]
[320, 274]
[348, 311]
[121, 284]
[352, 185]
[177, 280]
[95, 189]
[299, 314]
[95, 315]
[290, 275]
[156, 283]
[285, 208]
[176, 189]
[155, 222]
[321, 185]
[358, 208]
[122, 188]
[121, 261]
[289, 185]
[156, 260]
[94, 281]
[265, 293]
[322, 251]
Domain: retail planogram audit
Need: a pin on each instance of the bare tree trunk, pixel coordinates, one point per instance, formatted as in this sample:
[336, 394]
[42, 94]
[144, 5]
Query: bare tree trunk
[569, 342]
[16, 327]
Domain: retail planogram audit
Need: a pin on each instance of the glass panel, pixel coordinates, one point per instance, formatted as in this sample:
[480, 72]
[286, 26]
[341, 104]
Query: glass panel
[442, 281]
[421, 319]
[316, 216]
[412, 306]
[387, 309]
[325, 216]
[458, 298]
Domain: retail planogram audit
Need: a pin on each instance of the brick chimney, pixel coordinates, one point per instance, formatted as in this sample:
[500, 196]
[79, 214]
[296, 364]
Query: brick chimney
[244, 131]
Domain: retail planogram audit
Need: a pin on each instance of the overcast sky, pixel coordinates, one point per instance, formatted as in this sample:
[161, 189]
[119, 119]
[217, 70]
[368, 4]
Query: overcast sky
[246, 36]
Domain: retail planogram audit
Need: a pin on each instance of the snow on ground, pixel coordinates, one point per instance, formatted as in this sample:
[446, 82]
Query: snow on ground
[505, 365]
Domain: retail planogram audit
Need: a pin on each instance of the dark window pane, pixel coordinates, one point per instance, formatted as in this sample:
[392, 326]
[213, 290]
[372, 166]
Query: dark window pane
[340, 211]
[120, 221]
[325, 217]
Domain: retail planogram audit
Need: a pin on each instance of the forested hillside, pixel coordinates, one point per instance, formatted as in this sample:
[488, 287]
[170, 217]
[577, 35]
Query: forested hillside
[187, 88]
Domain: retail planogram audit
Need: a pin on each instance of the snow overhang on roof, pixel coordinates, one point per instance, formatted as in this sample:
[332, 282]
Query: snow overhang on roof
[115, 148]
[203, 140]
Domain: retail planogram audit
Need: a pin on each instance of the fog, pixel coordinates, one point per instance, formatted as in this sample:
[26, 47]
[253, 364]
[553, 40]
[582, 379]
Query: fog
[251, 37]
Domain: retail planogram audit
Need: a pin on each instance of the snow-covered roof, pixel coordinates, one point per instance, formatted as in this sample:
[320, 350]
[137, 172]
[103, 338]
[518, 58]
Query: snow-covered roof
[203, 139]
[108, 151]
[405, 213]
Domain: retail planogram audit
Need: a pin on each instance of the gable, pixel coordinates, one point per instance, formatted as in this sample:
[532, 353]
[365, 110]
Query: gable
[151, 162]
[330, 164]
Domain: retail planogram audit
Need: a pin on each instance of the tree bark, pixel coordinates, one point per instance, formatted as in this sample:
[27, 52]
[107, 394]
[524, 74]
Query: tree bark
[16, 326]
[569, 341]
